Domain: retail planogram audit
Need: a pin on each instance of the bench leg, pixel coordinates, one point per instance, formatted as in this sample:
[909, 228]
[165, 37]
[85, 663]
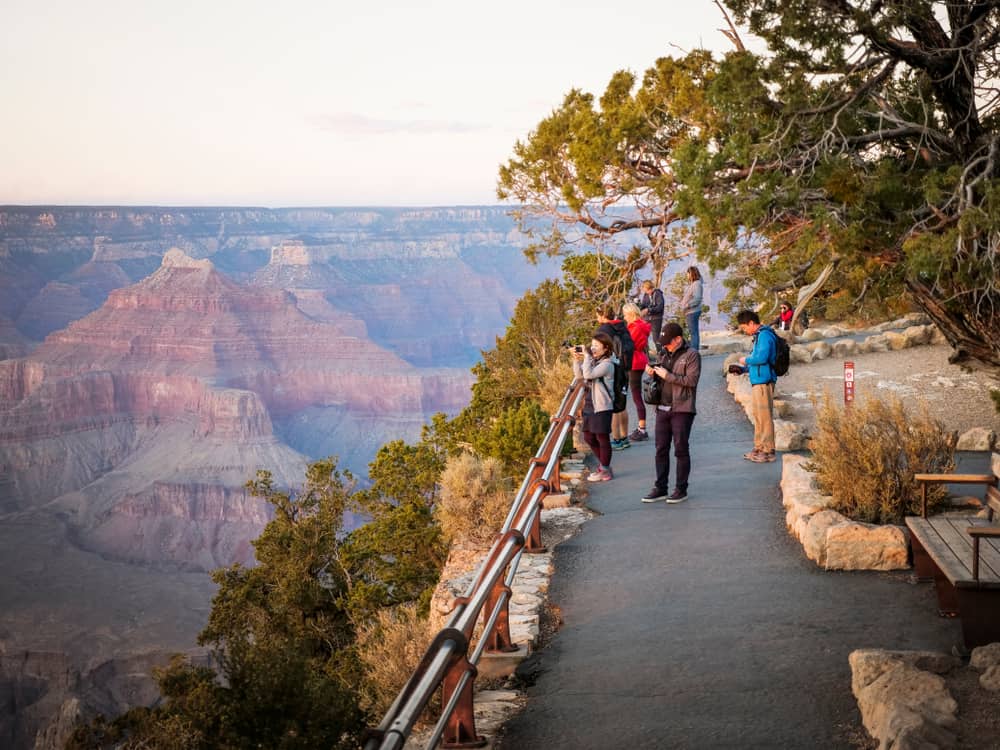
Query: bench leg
[922, 563]
[980, 616]
[947, 597]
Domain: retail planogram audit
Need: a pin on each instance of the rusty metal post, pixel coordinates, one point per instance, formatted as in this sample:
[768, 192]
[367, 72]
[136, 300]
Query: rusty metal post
[460, 731]
[498, 640]
[533, 541]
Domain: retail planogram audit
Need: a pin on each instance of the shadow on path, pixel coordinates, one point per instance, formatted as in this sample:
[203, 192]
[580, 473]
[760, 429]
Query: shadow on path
[703, 625]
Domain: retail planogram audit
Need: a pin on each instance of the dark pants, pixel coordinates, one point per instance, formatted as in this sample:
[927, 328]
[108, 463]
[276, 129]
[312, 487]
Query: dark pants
[635, 384]
[673, 427]
[600, 444]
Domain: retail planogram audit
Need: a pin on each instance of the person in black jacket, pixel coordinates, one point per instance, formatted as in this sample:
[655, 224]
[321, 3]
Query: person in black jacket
[651, 303]
[617, 331]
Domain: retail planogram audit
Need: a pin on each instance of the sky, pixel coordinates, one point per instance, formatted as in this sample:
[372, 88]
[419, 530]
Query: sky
[302, 103]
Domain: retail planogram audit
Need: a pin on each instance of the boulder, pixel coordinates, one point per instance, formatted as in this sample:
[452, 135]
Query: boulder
[863, 546]
[814, 538]
[782, 408]
[731, 359]
[918, 335]
[984, 657]
[937, 336]
[877, 343]
[995, 464]
[833, 332]
[811, 334]
[819, 350]
[799, 354]
[895, 340]
[789, 436]
[977, 439]
[867, 665]
[990, 679]
[844, 348]
[902, 706]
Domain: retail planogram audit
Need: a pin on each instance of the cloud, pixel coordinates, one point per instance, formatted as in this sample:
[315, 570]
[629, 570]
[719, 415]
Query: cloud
[347, 123]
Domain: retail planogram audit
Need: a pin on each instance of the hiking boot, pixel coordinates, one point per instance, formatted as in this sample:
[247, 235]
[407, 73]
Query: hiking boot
[677, 496]
[763, 458]
[653, 495]
[620, 445]
[750, 456]
[601, 475]
[638, 435]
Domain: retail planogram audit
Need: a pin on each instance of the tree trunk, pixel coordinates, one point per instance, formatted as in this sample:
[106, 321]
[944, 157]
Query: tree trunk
[972, 336]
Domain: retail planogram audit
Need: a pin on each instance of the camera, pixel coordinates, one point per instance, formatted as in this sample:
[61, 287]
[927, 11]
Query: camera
[735, 370]
[578, 348]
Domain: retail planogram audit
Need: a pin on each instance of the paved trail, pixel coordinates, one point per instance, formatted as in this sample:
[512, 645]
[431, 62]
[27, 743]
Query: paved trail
[703, 625]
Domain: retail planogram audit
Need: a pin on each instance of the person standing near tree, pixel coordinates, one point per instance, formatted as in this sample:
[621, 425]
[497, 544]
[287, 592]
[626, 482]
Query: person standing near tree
[617, 331]
[691, 305]
[679, 369]
[652, 304]
[639, 331]
[596, 366]
[760, 366]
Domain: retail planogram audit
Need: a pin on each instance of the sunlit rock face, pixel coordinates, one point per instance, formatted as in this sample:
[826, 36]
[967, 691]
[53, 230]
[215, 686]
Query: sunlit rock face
[152, 360]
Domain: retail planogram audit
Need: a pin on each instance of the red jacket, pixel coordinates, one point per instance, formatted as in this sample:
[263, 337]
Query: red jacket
[639, 330]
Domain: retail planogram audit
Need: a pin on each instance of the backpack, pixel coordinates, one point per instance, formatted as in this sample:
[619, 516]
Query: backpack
[622, 344]
[782, 355]
[651, 389]
[619, 390]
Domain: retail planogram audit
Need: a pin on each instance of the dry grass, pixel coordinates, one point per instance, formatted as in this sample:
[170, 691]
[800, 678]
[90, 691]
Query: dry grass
[866, 456]
[555, 380]
[475, 498]
[390, 648]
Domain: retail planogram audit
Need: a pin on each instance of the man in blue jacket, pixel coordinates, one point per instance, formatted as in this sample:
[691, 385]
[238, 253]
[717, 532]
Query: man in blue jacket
[760, 365]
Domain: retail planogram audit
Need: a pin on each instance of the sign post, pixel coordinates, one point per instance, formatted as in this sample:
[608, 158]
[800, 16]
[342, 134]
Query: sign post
[848, 383]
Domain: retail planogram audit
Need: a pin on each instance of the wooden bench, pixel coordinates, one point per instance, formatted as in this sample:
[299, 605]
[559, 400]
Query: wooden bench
[962, 555]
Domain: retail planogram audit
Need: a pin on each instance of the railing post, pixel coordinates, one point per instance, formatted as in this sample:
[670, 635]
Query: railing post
[460, 731]
[498, 640]
[533, 540]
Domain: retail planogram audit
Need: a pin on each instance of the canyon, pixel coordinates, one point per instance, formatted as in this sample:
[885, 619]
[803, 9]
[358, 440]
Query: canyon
[153, 360]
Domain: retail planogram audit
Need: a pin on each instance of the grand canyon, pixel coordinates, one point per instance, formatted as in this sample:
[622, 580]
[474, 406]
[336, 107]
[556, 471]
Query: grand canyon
[153, 360]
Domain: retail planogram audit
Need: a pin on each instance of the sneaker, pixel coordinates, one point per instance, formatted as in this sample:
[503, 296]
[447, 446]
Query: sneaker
[620, 445]
[750, 456]
[677, 496]
[653, 495]
[601, 475]
[763, 458]
[638, 435]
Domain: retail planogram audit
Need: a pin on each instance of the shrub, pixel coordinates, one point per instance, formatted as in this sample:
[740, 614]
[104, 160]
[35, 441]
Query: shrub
[515, 435]
[866, 456]
[389, 648]
[555, 380]
[474, 498]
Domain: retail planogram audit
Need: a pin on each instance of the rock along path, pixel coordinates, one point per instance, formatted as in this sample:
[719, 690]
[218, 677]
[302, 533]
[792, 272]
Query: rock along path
[702, 625]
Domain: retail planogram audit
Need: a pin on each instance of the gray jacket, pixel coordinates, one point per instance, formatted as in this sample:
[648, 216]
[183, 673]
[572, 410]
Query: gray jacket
[682, 378]
[600, 377]
[691, 301]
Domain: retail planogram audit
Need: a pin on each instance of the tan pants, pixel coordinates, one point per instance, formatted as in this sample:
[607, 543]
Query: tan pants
[762, 406]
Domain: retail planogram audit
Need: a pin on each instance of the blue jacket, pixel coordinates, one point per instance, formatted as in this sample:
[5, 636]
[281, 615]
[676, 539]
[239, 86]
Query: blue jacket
[760, 362]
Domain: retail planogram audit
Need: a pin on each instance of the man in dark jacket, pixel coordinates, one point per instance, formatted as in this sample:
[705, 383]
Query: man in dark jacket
[679, 367]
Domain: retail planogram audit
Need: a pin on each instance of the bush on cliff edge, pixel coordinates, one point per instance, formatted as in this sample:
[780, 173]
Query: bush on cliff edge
[865, 456]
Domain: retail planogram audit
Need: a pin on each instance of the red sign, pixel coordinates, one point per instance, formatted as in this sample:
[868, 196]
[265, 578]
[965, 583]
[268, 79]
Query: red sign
[848, 382]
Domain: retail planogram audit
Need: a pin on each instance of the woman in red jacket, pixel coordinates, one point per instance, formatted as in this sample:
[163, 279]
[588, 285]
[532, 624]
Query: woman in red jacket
[639, 330]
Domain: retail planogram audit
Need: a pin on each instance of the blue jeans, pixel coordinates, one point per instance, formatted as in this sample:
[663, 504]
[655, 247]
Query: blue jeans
[691, 319]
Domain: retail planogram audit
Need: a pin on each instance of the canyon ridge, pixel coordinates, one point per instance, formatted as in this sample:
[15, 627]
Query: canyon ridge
[154, 359]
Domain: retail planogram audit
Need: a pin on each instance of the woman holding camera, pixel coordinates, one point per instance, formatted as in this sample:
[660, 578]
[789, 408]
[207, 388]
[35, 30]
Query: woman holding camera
[594, 365]
[639, 330]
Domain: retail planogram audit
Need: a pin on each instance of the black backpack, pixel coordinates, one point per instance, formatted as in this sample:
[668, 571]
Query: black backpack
[619, 390]
[782, 355]
[622, 344]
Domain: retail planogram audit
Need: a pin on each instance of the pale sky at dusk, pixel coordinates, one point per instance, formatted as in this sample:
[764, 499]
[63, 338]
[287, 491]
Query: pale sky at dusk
[301, 102]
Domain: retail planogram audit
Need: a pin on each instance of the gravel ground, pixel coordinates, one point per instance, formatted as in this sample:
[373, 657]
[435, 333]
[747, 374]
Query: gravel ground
[960, 399]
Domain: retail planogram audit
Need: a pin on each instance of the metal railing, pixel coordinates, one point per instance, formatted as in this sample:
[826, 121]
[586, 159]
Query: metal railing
[447, 662]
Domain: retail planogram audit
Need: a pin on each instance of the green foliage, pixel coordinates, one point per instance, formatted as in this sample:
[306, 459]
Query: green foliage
[280, 634]
[866, 456]
[516, 435]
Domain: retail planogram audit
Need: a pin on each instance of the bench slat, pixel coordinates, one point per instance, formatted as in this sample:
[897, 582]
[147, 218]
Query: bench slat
[950, 547]
[956, 478]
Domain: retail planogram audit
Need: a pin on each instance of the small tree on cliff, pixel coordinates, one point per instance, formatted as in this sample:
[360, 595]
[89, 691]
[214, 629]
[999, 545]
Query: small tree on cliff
[281, 635]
